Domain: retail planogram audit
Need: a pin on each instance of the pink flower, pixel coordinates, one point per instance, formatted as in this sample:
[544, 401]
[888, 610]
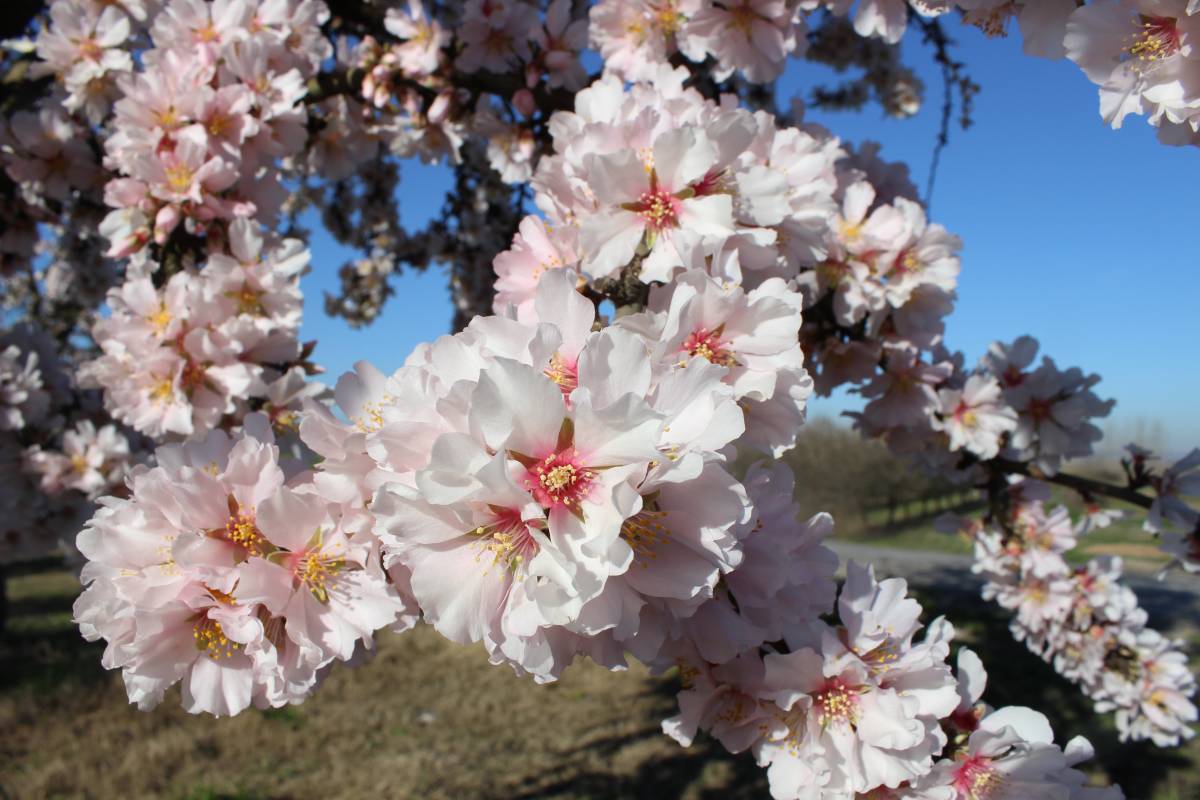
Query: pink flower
[658, 203]
[976, 417]
[560, 40]
[754, 37]
[318, 576]
[424, 38]
[1141, 54]
[536, 248]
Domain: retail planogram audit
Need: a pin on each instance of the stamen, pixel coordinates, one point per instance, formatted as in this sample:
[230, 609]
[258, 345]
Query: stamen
[703, 342]
[837, 702]
[644, 533]
[1157, 39]
[211, 639]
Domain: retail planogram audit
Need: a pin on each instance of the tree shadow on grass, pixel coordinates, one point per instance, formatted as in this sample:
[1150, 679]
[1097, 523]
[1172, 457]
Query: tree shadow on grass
[40, 647]
[646, 765]
[704, 771]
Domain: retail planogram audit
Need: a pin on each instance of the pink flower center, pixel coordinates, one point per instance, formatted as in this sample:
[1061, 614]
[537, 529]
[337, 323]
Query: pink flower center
[965, 415]
[977, 779]
[508, 538]
[179, 178]
[742, 18]
[241, 530]
[703, 342]
[837, 702]
[90, 49]
[1157, 39]
[560, 479]
[210, 638]
[906, 262]
[658, 208]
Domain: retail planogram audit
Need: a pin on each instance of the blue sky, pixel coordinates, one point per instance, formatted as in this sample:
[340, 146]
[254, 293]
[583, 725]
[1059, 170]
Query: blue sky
[1075, 233]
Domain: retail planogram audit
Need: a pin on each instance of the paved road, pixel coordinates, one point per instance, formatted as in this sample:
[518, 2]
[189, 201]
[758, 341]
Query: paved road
[1175, 599]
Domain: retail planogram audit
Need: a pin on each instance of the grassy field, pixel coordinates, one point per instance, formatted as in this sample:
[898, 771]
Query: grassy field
[429, 719]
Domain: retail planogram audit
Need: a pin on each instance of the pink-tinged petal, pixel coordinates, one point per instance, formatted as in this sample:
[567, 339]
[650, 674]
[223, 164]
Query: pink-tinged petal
[682, 157]
[608, 241]
[616, 178]
[707, 216]
[265, 582]
[289, 519]
[220, 689]
[516, 407]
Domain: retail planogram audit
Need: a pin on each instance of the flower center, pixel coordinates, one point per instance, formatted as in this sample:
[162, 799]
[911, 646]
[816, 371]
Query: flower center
[314, 570]
[219, 124]
[1157, 39]
[192, 377]
[703, 342]
[163, 391]
[906, 263]
[1039, 409]
[966, 416]
[179, 178]
[242, 530]
[208, 34]
[668, 19]
[977, 779]
[168, 118]
[508, 538]
[837, 702]
[160, 319]
[658, 208]
[90, 49]
[248, 301]
[851, 232]
[560, 480]
[211, 639]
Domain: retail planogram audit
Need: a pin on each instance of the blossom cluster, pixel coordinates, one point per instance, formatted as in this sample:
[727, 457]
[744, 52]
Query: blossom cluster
[182, 358]
[413, 79]
[751, 37]
[551, 491]
[1083, 620]
[221, 574]
[863, 709]
[575, 481]
[215, 103]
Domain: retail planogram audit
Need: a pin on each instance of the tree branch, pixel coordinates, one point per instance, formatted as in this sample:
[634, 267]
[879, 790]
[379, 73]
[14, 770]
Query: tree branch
[1085, 486]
